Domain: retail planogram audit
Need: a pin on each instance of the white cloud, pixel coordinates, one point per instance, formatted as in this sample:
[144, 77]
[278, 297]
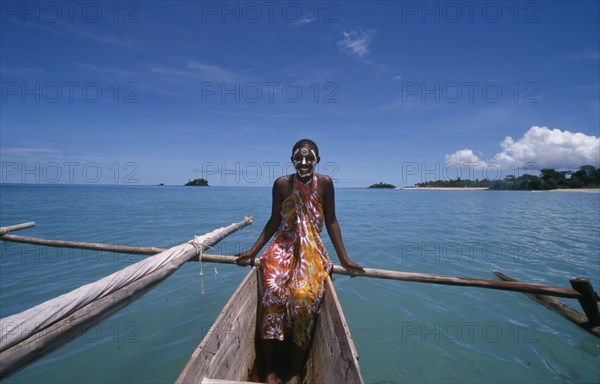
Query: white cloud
[305, 20]
[26, 152]
[357, 41]
[210, 71]
[199, 71]
[107, 70]
[464, 156]
[542, 147]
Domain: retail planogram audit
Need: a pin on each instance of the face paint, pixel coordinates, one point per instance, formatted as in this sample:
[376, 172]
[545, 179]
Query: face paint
[304, 160]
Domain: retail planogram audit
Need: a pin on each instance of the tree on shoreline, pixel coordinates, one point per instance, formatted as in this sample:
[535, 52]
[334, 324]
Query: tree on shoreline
[382, 185]
[197, 183]
[587, 176]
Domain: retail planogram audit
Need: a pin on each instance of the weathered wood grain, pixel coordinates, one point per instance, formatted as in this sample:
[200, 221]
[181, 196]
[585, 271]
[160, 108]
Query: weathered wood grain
[227, 351]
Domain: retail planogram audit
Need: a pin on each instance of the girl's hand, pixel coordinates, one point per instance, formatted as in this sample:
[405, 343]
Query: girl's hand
[244, 256]
[353, 266]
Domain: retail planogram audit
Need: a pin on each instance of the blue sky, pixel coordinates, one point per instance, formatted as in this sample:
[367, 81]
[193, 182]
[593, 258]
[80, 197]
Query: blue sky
[155, 92]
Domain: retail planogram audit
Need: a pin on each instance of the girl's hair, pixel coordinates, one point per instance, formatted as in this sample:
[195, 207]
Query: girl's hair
[306, 142]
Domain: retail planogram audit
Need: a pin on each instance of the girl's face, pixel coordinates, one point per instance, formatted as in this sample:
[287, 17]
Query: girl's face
[304, 159]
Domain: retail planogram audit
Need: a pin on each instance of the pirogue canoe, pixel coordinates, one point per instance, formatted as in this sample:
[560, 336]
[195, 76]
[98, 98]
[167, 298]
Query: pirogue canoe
[227, 353]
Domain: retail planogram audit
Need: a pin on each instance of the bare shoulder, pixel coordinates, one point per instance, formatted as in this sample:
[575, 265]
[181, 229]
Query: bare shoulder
[283, 184]
[324, 186]
[283, 180]
[324, 180]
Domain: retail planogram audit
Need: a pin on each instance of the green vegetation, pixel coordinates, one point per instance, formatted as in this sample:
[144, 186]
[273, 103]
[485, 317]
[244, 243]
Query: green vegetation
[197, 183]
[587, 176]
[383, 185]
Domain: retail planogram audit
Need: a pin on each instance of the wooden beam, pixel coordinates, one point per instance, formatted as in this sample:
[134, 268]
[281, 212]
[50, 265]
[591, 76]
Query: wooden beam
[147, 251]
[557, 306]
[428, 278]
[16, 227]
[369, 272]
[588, 299]
[51, 325]
[460, 281]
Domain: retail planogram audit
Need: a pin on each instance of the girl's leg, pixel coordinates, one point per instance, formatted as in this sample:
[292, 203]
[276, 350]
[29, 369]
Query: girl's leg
[268, 347]
[297, 364]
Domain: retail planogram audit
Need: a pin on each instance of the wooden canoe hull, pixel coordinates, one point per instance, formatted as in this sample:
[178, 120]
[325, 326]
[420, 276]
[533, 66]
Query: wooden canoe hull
[228, 351]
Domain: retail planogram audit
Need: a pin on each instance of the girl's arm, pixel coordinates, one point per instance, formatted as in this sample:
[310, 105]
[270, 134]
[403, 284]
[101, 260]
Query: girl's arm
[332, 225]
[271, 226]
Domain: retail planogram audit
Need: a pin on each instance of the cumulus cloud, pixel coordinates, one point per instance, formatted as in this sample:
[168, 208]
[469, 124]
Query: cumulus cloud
[464, 156]
[357, 41]
[541, 146]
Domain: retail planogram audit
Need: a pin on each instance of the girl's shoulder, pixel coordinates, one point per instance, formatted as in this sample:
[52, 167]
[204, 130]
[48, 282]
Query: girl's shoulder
[284, 184]
[324, 179]
[286, 179]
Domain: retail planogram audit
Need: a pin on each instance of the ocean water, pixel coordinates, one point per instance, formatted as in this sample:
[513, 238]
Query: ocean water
[404, 332]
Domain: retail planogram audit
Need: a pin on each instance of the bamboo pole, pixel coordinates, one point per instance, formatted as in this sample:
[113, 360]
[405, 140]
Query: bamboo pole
[59, 320]
[369, 272]
[461, 281]
[427, 278]
[11, 228]
[147, 251]
[557, 306]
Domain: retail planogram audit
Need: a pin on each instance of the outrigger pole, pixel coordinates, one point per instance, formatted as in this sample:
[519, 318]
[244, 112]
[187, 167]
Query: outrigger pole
[29, 335]
[337, 269]
[582, 288]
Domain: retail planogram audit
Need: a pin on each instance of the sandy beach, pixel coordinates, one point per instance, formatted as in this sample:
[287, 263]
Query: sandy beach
[581, 190]
[445, 188]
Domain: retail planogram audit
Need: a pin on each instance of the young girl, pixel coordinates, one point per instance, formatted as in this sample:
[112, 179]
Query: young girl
[295, 265]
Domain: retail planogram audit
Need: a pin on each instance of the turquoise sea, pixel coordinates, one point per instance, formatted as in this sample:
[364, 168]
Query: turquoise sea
[404, 332]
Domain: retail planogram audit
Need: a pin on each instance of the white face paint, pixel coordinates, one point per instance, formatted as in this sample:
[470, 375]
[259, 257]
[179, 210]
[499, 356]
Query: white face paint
[305, 160]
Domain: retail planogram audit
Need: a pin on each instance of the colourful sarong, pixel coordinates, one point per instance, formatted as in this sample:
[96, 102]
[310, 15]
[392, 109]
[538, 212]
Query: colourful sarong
[295, 267]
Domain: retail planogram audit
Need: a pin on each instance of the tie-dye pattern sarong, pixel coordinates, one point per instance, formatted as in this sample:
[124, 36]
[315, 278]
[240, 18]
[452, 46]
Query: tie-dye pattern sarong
[295, 267]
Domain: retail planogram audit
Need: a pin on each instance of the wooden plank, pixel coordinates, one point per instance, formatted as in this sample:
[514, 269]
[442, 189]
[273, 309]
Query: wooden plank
[227, 355]
[227, 351]
[206, 380]
[557, 306]
[333, 357]
[550, 302]
[588, 300]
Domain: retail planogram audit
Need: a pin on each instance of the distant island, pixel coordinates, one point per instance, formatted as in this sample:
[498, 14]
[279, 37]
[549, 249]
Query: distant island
[383, 185]
[587, 176]
[197, 183]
